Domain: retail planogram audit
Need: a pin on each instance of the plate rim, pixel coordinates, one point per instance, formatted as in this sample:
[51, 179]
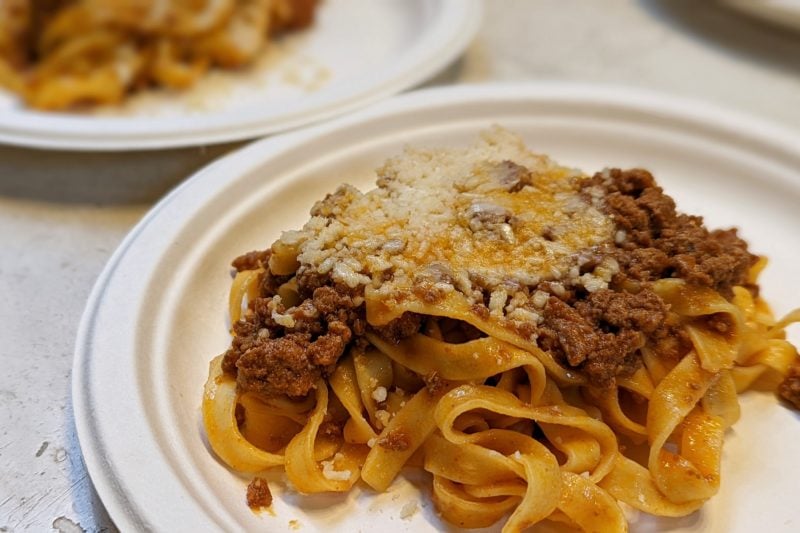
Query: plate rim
[100, 467]
[457, 23]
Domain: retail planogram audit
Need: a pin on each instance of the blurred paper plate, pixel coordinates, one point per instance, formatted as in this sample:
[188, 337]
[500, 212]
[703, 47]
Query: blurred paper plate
[357, 52]
[158, 313]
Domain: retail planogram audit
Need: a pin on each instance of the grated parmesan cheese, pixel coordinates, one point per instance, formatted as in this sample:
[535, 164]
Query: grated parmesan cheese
[409, 510]
[496, 218]
[379, 394]
[329, 471]
[280, 318]
[383, 416]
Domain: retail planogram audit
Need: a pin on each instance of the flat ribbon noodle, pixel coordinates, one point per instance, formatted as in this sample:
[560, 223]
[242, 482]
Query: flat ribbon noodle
[266, 427]
[381, 311]
[609, 403]
[473, 360]
[245, 284]
[721, 399]
[176, 68]
[413, 424]
[373, 369]
[693, 474]
[302, 467]
[468, 397]
[219, 416]
[241, 36]
[460, 508]
[494, 457]
[715, 350]
[632, 483]
[588, 506]
[345, 385]
[776, 358]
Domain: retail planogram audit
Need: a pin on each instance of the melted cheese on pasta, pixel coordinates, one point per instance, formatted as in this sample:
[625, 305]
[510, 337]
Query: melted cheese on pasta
[460, 217]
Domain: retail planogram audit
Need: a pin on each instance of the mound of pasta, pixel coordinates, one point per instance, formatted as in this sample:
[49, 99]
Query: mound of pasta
[59, 54]
[546, 344]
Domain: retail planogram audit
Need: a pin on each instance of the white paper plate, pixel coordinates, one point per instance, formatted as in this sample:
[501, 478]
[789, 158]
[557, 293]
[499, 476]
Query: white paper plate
[158, 312]
[783, 12]
[358, 51]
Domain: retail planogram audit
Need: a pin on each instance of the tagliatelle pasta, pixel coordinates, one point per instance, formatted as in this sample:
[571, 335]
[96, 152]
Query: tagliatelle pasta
[62, 53]
[546, 345]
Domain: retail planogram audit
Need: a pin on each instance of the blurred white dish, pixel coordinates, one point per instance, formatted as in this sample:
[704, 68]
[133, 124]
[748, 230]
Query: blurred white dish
[357, 52]
[157, 314]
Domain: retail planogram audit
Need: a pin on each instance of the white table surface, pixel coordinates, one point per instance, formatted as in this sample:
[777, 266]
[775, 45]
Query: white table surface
[62, 215]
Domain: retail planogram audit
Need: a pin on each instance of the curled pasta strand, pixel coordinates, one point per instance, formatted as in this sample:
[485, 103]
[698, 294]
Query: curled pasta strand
[676, 396]
[219, 417]
[456, 306]
[716, 350]
[413, 424]
[302, 466]
[460, 508]
[608, 402]
[345, 385]
[469, 397]
[632, 483]
[170, 69]
[245, 284]
[589, 507]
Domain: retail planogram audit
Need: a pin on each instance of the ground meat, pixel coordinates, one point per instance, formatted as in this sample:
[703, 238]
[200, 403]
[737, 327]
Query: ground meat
[601, 334]
[292, 15]
[278, 366]
[273, 360]
[644, 311]
[270, 283]
[660, 243]
[428, 292]
[401, 327]
[258, 494]
[511, 176]
[434, 383]
[331, 429]
[646, 263]
[671, 342]
[720, 322]
[325, 351]
[566, 331]
[789, 389]
[251, 260]
[458, 331]
[396, 440]
[480, 310]
[309, 280]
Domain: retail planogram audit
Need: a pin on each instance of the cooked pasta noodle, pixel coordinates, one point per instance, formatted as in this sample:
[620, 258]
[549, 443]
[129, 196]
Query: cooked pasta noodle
[61, 53]
[484, 396]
